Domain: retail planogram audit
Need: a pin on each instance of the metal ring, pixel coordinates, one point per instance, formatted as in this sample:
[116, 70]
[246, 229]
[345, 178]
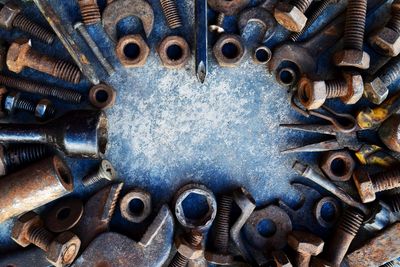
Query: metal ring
[102, 96]
[143, 211]
[64, 215]
[318, 211]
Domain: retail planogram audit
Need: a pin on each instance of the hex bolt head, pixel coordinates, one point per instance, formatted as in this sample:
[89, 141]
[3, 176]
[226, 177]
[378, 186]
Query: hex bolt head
[10, 102]
[23, 225]
[386, 41]
[63, 249]
[8, 13]
[290, 17]
[311, 94]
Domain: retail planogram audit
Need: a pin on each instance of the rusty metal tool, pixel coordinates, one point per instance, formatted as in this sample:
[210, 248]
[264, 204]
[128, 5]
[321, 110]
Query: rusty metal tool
[201, 38]
[79, 133]
[34, 186]
[152, 250]
[307, 172]
[63, 31]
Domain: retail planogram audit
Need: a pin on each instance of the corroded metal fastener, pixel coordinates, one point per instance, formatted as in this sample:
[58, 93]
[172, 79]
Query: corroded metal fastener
[90, 11]
[291, 16]
[21, 55]
[188, 247]
[306, 245]
[105, 171]
[34, 186]
[171, 13]
[389, 133]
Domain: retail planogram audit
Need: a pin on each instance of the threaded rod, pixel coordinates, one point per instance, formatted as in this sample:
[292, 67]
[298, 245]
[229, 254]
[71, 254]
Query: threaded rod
[386, 180]
[171, 13]
[24, 24]
[355, 24]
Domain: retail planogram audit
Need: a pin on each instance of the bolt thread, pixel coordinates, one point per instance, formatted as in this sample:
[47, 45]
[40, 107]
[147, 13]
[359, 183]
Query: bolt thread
[386, 180]
[40, 237]
[394, 22]
[220, 19]
[302, 5]
[66, 71]
[35, 88]
[178, 261]
[25, 104]
[355, 24]
[351, 222]
[19, 155]
[395, 203]
[391, 71]
[92, 179]
[336, 88]
[311, 19]
[90, 13]
[389, 264]
[195, 238]
[23, 23]
[171, 13]
[221, 232]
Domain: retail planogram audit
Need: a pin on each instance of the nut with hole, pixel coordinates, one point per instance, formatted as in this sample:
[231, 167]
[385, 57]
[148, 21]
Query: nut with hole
[64, 215]
[338, 165]
[102, 96]
[262, 55]
[136, 205]
[229, 50]
[174, 52]
[292, 16]
[326, 211]
[132, 51]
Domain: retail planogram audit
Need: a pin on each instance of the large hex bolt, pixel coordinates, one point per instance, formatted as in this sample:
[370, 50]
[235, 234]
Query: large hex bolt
[220, 253]
[60, 250]
[105, 171]
[291, 16]
[21, 55]
[352, 54]
[313, 94]
[387, 40]
[171, 13]
[174, 52]
[10, 16]
[90, 11]
[367, 184]
[338, 165]
[306, 245]
[189, 247]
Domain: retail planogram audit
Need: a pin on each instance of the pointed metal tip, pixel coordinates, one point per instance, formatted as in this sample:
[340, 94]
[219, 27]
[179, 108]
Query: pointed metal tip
[201, 72]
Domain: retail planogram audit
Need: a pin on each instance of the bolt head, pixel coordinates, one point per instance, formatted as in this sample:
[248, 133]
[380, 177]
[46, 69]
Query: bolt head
[389, 132]
[16, 55]
[63, 249]
[355, 88]
[343, 156]
[8, 13]
[189, 251]
[311, 94]
[305, 242]
[352, 58]
[364, 186]
[22, 226]
[10, 101]
[139, 59]
[290, 17]
[386, 41]
[376, 91]
[44, 109]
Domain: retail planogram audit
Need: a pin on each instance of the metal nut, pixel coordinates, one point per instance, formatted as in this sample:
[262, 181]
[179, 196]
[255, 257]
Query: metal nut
[218, 258]
[174, 52]
[262, 55]
[143, 209]
[338, 165]
[44, 109]
[387, 42]
[364, 185]
[376, 91]
[8, 13]
[132, 51]
[352, 58]
[228, 50]
[11, 101]
[63, 249]
[189, 251]
[311, 94]
[102, 96]
[23, 225]
[290, 17]
[333, 205]
[355, 88]
[16, 55]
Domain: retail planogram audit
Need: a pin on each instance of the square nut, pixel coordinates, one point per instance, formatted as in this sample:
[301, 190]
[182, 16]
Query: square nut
[364, 186]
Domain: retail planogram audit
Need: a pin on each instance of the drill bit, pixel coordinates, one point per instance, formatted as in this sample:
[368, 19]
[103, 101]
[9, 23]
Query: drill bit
[201, 39]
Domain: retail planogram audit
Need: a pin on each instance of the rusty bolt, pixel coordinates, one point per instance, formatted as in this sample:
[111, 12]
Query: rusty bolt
[132, 51]
[189, 247]
[338, 165]
[60, 250]
[171, 13]
[21, 55]
[228, 50]
[292, 16]
[367, 184]
[90, 11]
[105, 171]
[389, 132]
[306, 245]
[174, 52]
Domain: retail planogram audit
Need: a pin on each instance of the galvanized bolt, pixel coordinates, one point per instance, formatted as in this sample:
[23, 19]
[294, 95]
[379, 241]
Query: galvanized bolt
[10, 16]
[189, 247]
[306, 245]
[218, 26]
[171, 13]
[105, 171]
[90, 11]
[21, 55]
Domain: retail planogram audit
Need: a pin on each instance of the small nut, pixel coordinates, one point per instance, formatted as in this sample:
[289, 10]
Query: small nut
[102, 96]
[355, 88]
[189, 251]
[328, 204]
[352, 58]
[23, 225]
[338, 165]
[63, 249]
[174, 52]
[262, 55]
[376, 91]
[228, 50]
[16, 55]
[305, 242]
[8, 12]
[311, 94]
[132, 51]
[281, 259]
[44, 109]
[130, 211]
[290, 17]
[364, 185]
[386, 41]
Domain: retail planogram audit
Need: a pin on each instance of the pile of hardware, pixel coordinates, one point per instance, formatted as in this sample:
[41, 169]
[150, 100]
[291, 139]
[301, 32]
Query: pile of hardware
[229, 230]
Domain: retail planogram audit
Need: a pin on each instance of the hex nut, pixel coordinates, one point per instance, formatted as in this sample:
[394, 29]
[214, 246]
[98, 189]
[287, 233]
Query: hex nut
[364, 185]
[304, 242]
[229, 50]
[63, 249]
[218, 258]
[140, 215]
[355, 88]
[228, 7]
[311, 94]
[102, 96]
[290, 17]
[352, 58]
[139, 57]
[10, 101]
[262, 55]
[376, 91]
[8, 13]
[16, 55]
[174, 52]
[189, 251]
[343, 170]
[22, 226]
[44, 109]
[386, 41]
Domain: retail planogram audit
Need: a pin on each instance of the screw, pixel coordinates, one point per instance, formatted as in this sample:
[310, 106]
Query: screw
[105, 171]
[194, 239]
[95, 49]
[389, 264]
[306, 245]
[10, 16]
[20, 55]
[36, 88]
[90, 11]
[218, 27]
[171, 13]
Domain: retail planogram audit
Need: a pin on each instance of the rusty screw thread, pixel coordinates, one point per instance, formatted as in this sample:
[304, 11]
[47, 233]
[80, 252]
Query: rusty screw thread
[390, 72]
[386, 180]
[302, 5]
[40, 237]
[395, 203]
[19, 155]
[194, 239]
[90, 12]
[336, 88]
[311, 18]
[221, 230]
[24, 24]
[355, 24]
[394, 22]
[35, 88]
[171, 13]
